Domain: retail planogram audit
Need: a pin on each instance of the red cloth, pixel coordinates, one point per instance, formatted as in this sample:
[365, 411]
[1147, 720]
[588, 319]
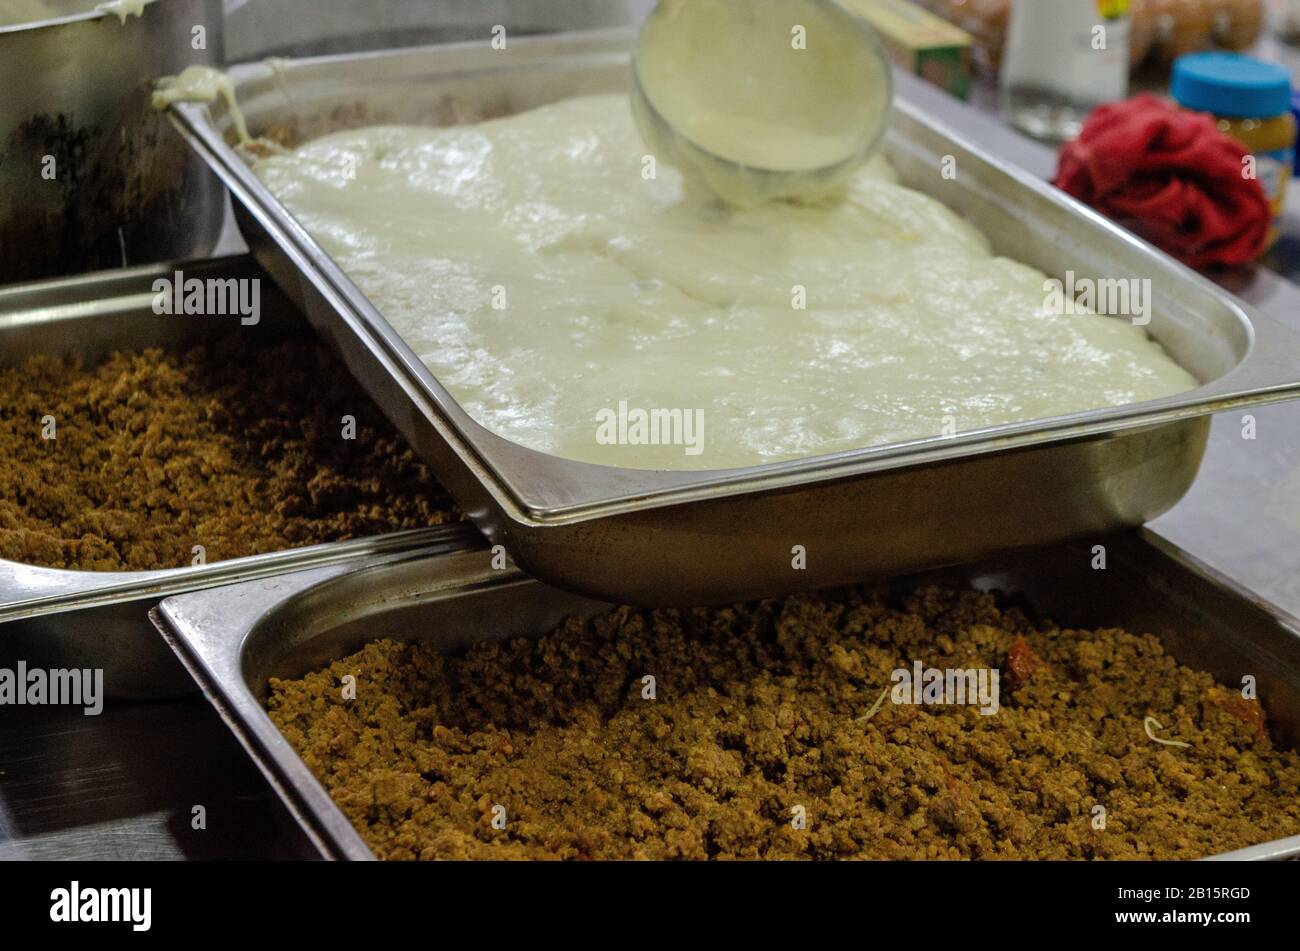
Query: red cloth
[1170, 176]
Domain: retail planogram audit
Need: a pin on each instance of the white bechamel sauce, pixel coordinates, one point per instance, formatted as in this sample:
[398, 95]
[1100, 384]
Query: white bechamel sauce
[618, 288]
[201, 84]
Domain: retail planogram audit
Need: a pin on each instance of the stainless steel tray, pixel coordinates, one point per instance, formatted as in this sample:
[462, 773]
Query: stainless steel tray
[709, 536]
[91, 316]
[233, 640]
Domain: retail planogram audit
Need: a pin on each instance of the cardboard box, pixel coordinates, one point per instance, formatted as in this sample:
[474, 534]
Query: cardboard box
[920, 42]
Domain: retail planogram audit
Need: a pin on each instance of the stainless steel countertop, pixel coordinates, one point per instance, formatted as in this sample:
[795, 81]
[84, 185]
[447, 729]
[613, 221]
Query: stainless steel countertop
[123, 785]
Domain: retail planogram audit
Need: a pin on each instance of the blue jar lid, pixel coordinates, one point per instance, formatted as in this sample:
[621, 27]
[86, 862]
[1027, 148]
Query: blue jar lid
[1229, 84]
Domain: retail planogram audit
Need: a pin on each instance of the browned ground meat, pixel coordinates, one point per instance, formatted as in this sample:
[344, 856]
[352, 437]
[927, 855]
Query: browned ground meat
[235, 447]
[757, 712]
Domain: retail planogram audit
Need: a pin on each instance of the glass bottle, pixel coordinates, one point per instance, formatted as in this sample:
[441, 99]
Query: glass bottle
[1063, 58]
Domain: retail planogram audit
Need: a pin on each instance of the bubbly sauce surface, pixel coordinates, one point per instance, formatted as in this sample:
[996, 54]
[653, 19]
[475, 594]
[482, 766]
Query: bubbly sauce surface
[555, 290]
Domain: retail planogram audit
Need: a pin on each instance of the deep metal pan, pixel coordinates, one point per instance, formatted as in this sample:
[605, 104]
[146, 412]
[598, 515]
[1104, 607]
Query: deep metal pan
[90, 177]
[709, 536]
[99, 618]
[234, 640]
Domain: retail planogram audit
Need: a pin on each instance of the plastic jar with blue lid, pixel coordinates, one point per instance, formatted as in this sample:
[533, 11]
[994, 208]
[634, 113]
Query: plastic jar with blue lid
[1251, 102]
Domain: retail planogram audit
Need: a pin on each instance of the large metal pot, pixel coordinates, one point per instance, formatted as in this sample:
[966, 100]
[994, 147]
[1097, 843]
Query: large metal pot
[90, 176]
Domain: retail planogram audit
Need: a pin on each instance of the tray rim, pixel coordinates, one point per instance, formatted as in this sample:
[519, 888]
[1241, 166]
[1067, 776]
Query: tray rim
[519, 479]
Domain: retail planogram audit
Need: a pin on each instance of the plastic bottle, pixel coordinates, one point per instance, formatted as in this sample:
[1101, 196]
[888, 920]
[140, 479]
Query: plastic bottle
[1251, 102]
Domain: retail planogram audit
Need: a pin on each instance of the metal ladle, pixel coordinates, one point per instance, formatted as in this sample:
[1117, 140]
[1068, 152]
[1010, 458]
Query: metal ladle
[760, 99]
